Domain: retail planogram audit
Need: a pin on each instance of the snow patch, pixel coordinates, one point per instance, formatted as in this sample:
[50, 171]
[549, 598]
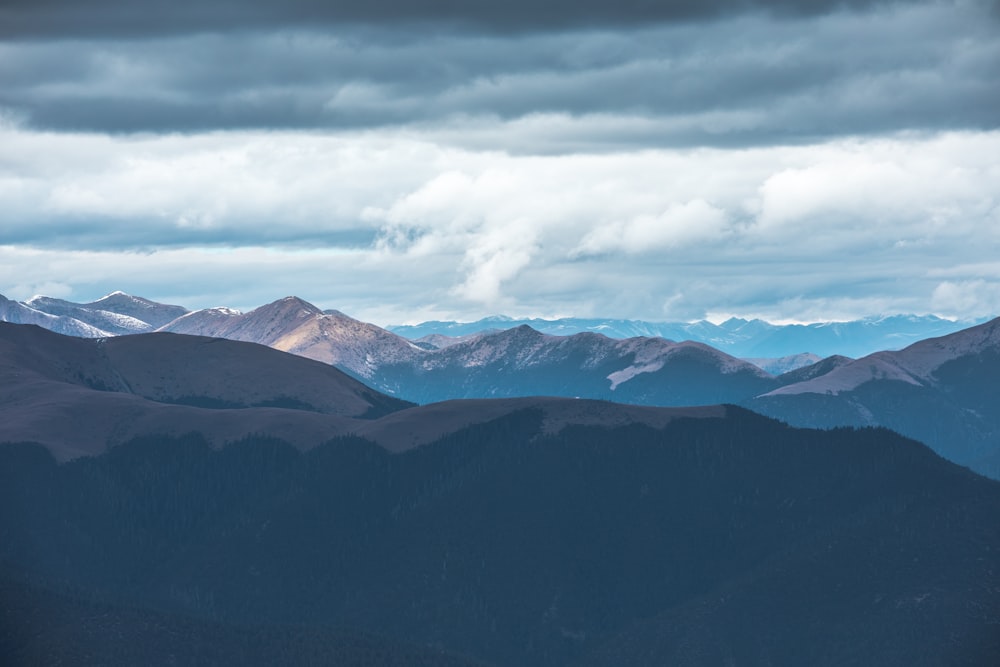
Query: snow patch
[626, 374]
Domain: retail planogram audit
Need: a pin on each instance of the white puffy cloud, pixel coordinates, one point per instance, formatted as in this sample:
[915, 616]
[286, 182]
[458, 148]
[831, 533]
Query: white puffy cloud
[899, 192]
[678, 225]
[847, 226]
[967, 298]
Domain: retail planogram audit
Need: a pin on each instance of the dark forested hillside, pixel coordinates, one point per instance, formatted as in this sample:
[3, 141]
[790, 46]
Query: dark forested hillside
[79, 629]
[712, 541]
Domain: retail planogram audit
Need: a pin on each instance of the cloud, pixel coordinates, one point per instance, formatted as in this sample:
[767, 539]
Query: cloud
[743, 80]
[453, 159]
[493, 259]
[679, 224]
[92, 191]
[47, 18]
[382, 225]
[883, 194]
[967, 299]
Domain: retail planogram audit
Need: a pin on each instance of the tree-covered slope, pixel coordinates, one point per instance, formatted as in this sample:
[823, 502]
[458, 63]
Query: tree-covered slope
[731, 538]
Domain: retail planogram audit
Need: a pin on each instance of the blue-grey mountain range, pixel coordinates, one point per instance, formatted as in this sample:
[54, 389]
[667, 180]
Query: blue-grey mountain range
[736, 336]
[941, 391]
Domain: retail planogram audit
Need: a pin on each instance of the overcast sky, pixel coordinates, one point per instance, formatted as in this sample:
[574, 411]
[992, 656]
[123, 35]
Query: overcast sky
[403, 160]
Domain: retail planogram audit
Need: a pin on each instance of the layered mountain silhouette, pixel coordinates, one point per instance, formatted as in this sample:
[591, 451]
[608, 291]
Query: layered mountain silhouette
[506, 363]
[80, 396]
[949, 404]
[168, 497]
[751, 339]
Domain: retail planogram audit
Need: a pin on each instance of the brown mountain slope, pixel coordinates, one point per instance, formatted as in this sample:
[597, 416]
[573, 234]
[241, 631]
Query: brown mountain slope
[78, 397]
[297, 326]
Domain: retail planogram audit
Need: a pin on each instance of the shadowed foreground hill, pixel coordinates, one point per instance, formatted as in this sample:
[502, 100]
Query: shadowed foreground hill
[78, 396]
[722, 540]
[97, 633]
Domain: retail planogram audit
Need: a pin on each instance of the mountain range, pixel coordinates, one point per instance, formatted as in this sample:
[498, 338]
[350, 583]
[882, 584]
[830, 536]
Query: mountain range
[347, 524]
[939, 391]
[78, 397]
[764, 342]
[942, 391]
[739, 337]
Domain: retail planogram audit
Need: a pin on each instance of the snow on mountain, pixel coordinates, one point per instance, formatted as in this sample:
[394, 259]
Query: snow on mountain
[652, 354]
[113, 323]
[511, 362]
[19, 313]
[153, 313]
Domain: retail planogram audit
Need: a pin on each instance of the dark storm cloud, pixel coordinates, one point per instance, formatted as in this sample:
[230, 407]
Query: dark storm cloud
[743, 81]
[129, 18]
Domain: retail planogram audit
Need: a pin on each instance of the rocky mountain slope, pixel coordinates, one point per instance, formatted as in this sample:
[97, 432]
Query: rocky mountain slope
[18, 313]
[940, 391]
[522, 361]
[507, 363]
[78, 397]
[736, 336]
[943, 391]
[120, 313]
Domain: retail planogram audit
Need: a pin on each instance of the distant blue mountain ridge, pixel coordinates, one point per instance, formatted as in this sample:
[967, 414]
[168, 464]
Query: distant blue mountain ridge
[736, 336]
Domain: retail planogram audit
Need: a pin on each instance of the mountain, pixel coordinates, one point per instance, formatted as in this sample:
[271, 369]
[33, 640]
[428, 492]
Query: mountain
[949, 409]
[787, 364]
[524, 362]
[153, 313]
[728, 539]
[19, 313]
[941, 390]
[736, 336]
[440, 341]
[108, 322]
[113, 315]
[79, 396]
[119, 313]
[296, 326]
[504, 363]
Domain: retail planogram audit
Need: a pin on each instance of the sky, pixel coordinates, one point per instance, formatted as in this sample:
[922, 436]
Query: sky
[406, 160]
